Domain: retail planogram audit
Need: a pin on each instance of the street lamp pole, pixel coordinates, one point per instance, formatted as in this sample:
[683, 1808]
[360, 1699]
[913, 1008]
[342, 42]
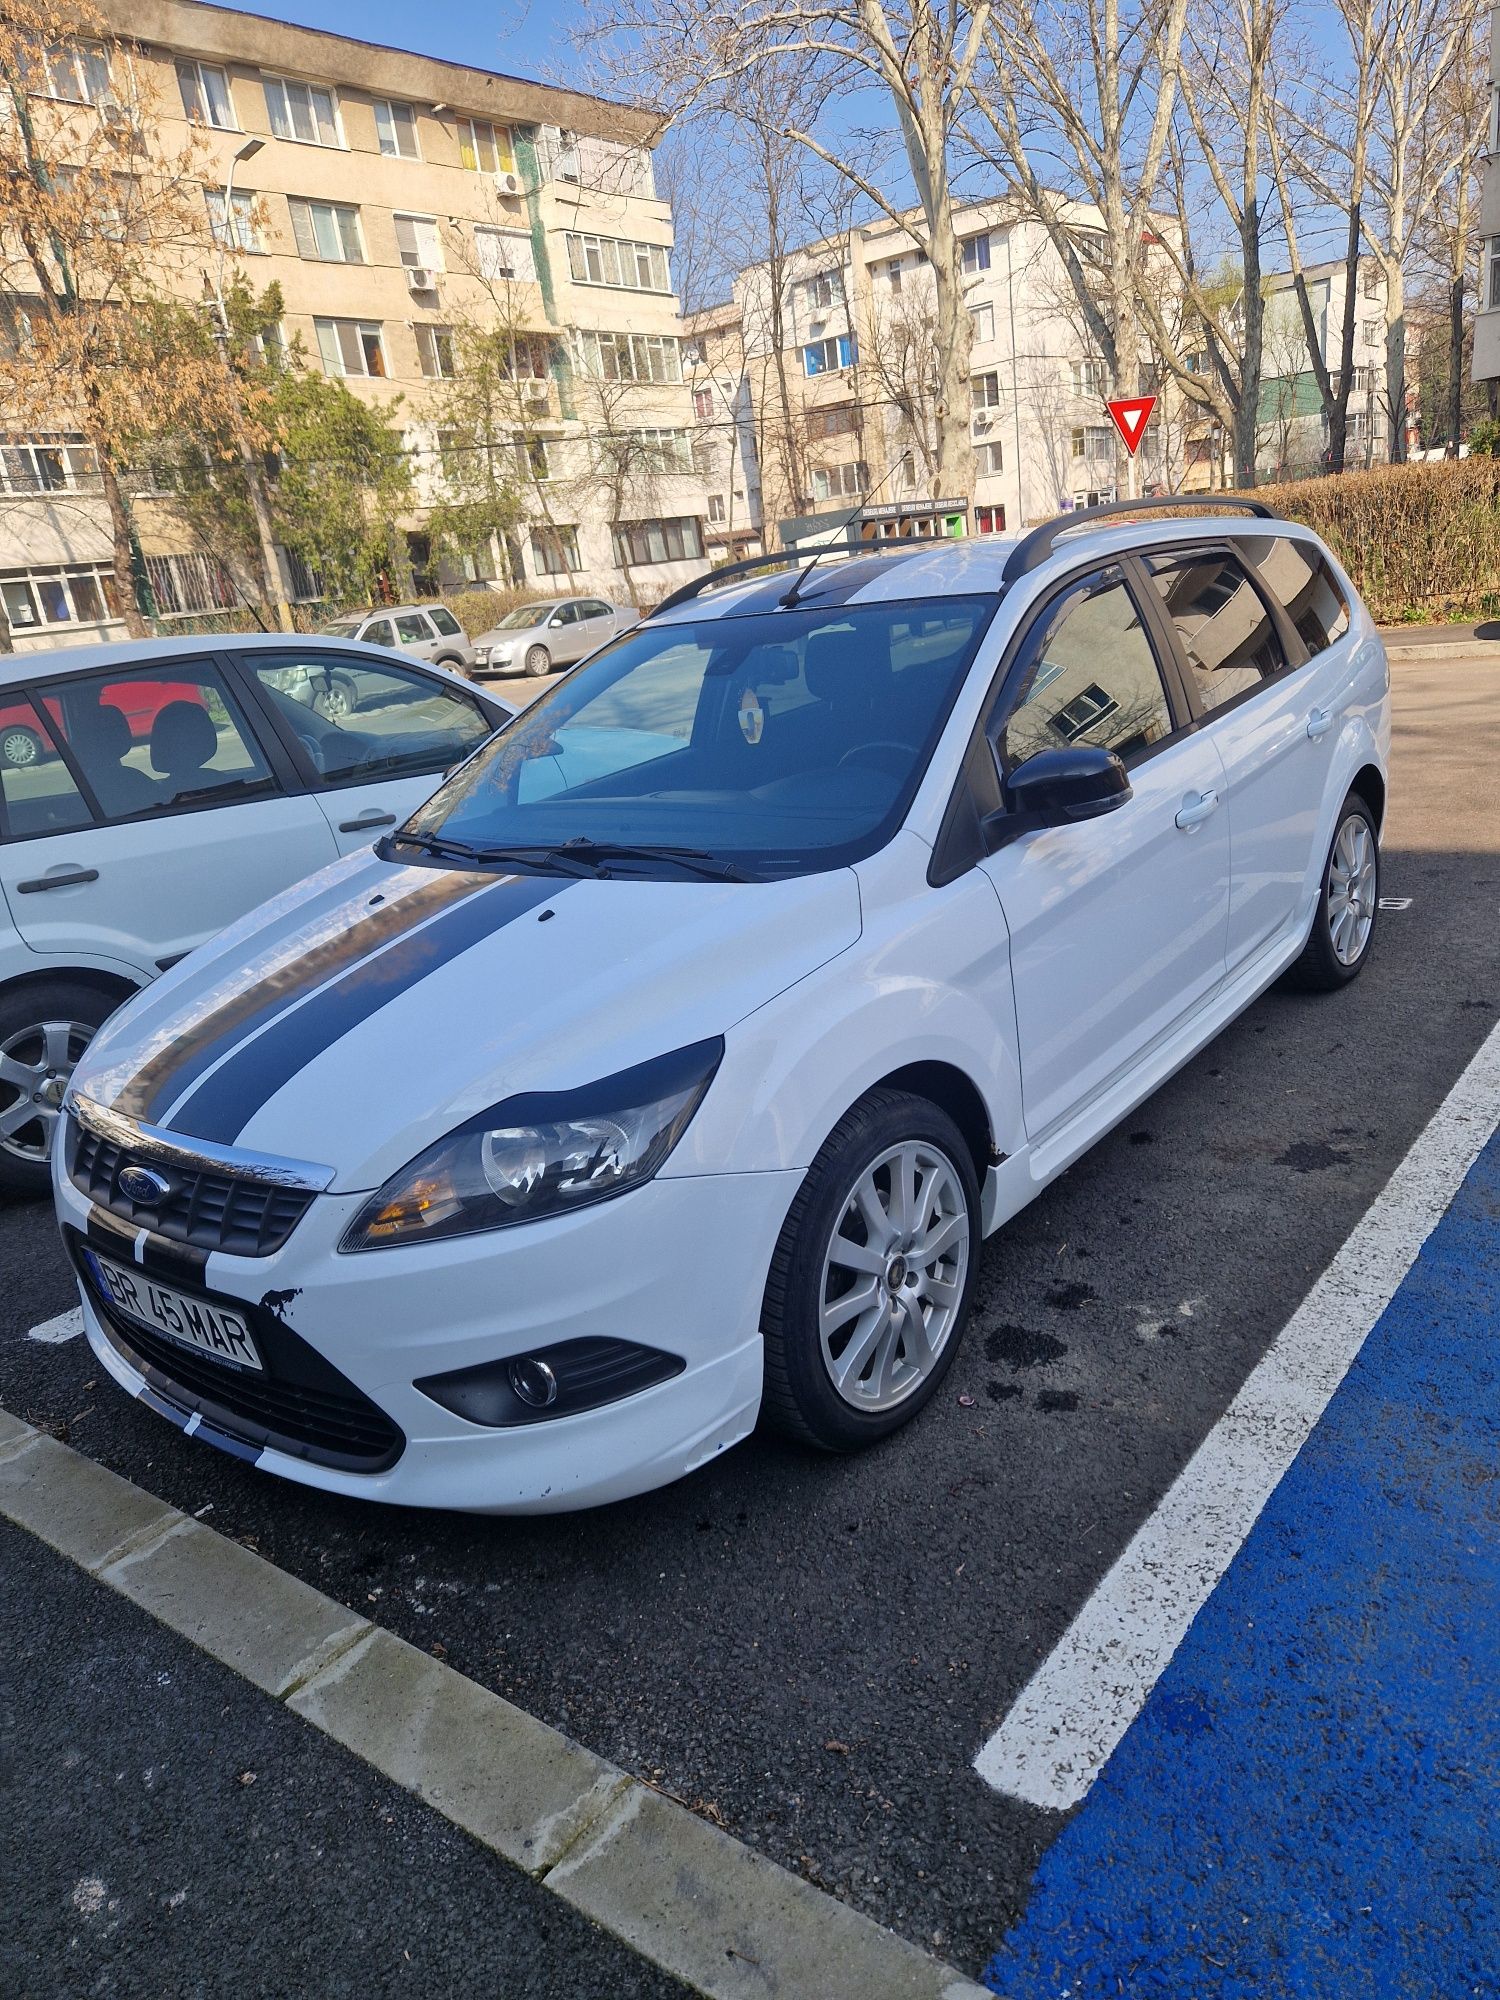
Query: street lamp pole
[249, 463]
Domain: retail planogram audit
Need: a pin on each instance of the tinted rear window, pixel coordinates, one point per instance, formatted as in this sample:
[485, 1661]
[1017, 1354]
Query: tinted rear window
[1302, 577]
[1222, 621]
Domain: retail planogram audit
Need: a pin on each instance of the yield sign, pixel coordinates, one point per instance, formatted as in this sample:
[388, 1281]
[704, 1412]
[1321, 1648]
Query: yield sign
[1130, 414]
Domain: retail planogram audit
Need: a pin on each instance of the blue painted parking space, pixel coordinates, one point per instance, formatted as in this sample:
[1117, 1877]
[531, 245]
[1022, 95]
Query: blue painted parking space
[1308, 1803]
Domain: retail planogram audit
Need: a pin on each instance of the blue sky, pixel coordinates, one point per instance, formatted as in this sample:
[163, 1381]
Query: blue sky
[521, 39]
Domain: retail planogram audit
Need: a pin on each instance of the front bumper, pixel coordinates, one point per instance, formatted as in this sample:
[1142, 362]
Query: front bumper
[679, 1265]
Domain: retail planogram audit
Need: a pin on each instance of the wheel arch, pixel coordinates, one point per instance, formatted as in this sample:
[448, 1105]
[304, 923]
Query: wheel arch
[954, 1091]
[113, 985]
[1368, 783]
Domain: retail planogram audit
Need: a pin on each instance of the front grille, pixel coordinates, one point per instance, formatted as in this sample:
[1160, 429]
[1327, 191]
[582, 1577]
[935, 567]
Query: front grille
[212, 1211]
[300, 1405]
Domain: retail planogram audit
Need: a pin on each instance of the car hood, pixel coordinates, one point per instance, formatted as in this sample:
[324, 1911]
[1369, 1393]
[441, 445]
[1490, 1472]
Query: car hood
[365, 1013]
[496, 637]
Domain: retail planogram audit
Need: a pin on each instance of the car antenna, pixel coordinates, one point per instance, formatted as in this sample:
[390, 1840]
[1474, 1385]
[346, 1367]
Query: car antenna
[788, 602]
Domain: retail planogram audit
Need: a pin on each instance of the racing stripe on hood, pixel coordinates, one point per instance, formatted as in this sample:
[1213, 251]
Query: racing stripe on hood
[157, 1084]
[228, 1097]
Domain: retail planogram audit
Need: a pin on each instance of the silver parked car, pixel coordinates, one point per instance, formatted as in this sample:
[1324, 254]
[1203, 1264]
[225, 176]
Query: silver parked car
[535, 638]
[430, 631]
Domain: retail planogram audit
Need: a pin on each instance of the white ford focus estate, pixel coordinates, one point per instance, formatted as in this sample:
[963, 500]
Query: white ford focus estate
[671, 1063]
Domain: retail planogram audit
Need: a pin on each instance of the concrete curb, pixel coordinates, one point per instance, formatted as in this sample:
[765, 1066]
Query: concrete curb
[683, 1895]
[1475, 652]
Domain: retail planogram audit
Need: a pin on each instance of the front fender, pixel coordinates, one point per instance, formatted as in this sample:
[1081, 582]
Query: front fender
[928, 981]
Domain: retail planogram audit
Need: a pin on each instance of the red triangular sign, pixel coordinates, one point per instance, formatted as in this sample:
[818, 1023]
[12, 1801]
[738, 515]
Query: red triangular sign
[1130, 414]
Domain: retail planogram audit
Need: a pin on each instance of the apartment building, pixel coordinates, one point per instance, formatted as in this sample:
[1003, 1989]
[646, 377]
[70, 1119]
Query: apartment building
[395, 199]
[1486, 364]
[1291, 427]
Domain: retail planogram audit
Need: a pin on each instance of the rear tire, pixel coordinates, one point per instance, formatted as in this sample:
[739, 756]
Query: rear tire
[538, 662]
[1348, 901]
[20, 748]
[44, 1029]
[861, 1324]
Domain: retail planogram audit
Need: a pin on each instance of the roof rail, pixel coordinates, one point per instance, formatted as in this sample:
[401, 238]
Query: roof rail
[785, 558]
[1033, 549]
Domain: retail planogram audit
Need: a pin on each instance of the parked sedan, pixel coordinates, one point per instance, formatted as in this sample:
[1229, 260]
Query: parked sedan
[522, 1163]
[535, 638]
[165, 787]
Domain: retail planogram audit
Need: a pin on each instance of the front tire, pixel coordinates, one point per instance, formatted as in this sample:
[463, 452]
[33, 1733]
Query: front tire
[20, 748]
[870, 1285]
[338, 701]
[538, 662]
[44, 1029]
[1348, 901]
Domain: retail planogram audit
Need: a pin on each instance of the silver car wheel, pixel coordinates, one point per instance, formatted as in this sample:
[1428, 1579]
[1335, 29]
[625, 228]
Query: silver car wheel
[20, 748]
[35, 1066]
[538, 660]
[893, 1276]
[335, 703]
[1351, 889]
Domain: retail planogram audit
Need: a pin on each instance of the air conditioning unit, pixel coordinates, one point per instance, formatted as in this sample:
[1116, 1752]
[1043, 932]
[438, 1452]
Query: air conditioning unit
[509, 184]
[537, 392]
[420, 279]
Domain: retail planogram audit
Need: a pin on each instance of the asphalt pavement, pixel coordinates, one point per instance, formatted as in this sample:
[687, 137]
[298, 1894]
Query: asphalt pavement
[168, 1830]
[809, 1652]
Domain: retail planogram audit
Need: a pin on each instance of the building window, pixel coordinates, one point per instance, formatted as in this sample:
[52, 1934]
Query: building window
[531, 457]
[326, 231]
[1088, 377]
[1092, 441]
[841, 421]
[989, 520]
[661, 450]
[985, 391]
[417, 242]
[73, 73]
[186, 586]
[1372, 333]
[435, 350]
[838, 482]
[982, 321]
[990, 458]
[504, 254]
[63, 464]
[610, 260]
[303, 111]
[526, 361]
[485, 148]
[396, 129]
[716, 508]
[820, 292]
[205, 95]
[823, 357]
[80, 595]
[554, 551]
[893, 273]
[1492, 290]
[703, 404]
[638, 543]
[631, 357]
[976, 255]
[351, 346]
[237, 230]
[305, 584]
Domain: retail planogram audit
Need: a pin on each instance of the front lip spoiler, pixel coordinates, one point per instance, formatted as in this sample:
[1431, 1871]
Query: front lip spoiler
[151, 1142]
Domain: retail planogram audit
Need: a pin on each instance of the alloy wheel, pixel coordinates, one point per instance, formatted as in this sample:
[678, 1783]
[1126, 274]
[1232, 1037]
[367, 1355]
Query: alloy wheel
[35, 1066]
[1351, 889]
[19, 748]
[893, 1276]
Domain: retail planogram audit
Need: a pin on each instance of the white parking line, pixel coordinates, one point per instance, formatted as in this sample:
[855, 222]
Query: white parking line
[1084, 1696]
[64, 1327]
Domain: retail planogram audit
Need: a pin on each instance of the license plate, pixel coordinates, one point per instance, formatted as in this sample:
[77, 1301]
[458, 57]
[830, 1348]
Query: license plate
[221, 1335]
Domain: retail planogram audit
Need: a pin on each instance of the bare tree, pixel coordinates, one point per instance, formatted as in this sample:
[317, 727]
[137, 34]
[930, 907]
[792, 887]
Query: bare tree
[1447, 238]
[716, 54]
[1081, 93]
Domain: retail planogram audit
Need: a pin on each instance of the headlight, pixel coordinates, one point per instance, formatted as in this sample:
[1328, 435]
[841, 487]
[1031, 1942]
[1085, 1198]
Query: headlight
[481, 656]
[541, 1154]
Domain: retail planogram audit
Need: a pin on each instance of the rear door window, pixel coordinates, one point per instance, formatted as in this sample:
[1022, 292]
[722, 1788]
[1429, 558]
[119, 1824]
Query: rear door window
[1224, 625]
[1301, 576]
[159, 739]
[40, 792]
[445, 621]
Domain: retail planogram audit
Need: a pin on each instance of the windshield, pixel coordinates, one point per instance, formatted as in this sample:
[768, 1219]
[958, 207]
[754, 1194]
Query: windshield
[778, 743]
[342, 628]
[522, 616]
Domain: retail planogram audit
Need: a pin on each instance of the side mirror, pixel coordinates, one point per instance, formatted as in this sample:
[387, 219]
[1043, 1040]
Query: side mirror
[1058, 787]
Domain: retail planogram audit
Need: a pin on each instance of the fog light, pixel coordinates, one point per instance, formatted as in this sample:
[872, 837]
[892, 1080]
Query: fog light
[559, 1381]
[534, 1382]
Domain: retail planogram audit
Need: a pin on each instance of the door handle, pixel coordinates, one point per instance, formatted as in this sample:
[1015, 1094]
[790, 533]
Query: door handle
[1319, 723]
[1198, 810]
[69, 881]
[367, 822]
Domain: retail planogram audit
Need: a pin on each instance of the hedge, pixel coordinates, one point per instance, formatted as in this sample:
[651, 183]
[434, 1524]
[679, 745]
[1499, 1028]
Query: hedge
[1422, 542]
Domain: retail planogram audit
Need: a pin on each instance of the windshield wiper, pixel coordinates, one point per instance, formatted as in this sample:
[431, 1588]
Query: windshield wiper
[431, 843]
[695, 860]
